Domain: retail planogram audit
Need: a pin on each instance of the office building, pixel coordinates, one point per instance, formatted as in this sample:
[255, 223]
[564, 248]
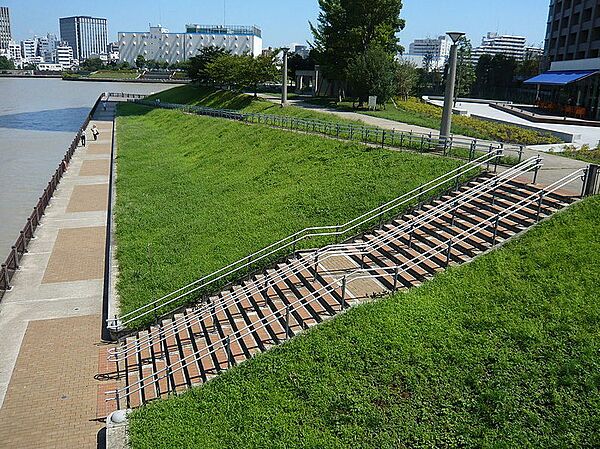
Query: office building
[571, 83]
[15, 54]
[160, 45]
[5, 34]
[498, 44]
[85, 35]
[432, 53]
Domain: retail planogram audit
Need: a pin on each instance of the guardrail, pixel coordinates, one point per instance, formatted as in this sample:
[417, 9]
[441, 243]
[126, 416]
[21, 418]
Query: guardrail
[11, 264]
[454, 146]
[185, 295]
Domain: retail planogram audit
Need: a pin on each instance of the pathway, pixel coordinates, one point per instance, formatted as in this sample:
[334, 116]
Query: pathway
[50, 322]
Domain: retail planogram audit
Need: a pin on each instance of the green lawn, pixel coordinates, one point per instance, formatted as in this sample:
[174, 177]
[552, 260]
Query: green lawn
[585, 153]
[415, 112]
[114, 74]
[223, 99]
[501, 353]
[196, 193]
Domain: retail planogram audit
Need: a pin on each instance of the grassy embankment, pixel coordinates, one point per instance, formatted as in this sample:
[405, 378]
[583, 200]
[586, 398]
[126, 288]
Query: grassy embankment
[115, 74]
[195, 193]
[501, 353]
[585, 153]
[415, 112]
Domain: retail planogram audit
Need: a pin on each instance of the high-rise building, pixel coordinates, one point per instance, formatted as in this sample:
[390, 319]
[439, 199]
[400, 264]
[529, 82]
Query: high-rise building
[571, 86]
[5, 35]
[573, 30]
[496, 44]
[160, 45]
[85, 35]
[431, 52]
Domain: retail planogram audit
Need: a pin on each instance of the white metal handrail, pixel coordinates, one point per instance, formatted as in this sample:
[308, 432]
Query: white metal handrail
[293, 240]
[493, 183]
[198, 356]
[320, 255]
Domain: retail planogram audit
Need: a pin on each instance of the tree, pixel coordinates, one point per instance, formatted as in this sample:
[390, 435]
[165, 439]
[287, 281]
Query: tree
[258, 70]
[348, 28]
[198, 64]
[407, 77]
[465, 72]
[6, 64]
[224, 70]
[140, 62]
[92, 64]
[373, 73]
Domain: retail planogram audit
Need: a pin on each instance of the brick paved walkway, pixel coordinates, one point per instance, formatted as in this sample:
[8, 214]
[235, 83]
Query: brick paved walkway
[50, 323]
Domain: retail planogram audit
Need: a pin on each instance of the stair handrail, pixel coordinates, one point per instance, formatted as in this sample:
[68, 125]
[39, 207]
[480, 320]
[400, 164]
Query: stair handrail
[119, 352]
[293, 240]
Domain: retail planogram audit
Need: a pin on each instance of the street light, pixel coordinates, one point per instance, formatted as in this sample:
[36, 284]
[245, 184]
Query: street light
[445, 130]
[285, 77]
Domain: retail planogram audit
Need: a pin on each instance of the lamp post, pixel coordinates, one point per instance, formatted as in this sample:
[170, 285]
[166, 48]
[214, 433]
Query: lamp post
[285, 77]
[445, 130]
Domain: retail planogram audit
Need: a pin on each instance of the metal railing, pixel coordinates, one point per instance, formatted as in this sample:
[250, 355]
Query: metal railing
[290, 244]
[11, 264]
[126, 95]
[454, 146]
[225, 343]
[322, 254]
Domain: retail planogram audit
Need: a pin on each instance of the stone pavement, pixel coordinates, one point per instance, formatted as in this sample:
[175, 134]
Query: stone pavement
[50, 322]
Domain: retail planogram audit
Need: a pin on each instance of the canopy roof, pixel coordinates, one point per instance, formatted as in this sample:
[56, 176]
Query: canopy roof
[561, 78]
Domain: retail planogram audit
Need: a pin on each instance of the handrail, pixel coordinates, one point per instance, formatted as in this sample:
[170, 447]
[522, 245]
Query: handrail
[225, 343]
[11, 264]
[348, 131]
[318, 256]
[293, 240]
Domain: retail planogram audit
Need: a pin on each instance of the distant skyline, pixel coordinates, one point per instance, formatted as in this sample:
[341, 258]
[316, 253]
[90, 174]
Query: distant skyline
[283, 22]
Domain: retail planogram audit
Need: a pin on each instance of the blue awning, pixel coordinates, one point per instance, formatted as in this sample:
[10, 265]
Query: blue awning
[561, 78]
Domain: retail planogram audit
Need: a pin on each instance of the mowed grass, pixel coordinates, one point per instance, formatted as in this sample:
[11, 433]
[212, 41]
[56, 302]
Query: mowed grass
[115, 74]
[501, 353]
[224, 99]
[195, 194]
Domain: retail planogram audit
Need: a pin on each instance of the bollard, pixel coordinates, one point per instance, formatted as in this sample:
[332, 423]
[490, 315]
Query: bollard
[4, 271]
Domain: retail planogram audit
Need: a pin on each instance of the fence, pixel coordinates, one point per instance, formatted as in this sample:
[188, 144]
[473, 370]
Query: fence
[11, 265]
[453, 146]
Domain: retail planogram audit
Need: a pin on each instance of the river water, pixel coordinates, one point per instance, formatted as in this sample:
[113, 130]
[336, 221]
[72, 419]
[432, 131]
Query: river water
[38, 120]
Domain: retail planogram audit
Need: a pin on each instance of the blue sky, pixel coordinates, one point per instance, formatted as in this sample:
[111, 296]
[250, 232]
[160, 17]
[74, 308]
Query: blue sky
[283, 21]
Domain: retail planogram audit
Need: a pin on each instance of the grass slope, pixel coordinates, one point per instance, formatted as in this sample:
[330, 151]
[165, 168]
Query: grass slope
[115, 74]
[195, 193]
[502, 353]
[223, 99]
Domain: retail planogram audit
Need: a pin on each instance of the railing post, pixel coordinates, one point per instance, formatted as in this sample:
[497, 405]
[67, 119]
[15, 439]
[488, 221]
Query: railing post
[344, 292]
[4, 271]
[15, 256]
[396, 279]
[537, 169]
[383, 138]
[448, 251]
[316, 265]
[214, 319]
[495, 236]
[228, 351]
[497, 158]
[454, 211]
[490, 149]
[410, 235]
[287, 321]
[117, 396]
[591, 184]
[521, 148]
[539, 208]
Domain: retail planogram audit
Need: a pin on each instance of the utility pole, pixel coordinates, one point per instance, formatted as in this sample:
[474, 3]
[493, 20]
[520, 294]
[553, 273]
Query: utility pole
[446, 128]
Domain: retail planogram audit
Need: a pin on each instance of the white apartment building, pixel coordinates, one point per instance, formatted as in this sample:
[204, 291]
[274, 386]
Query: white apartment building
[29, 49]
[160, 45]
[64, 56]
[47, 48]
[15, 54]
[435, 52]
[495, 44]
[44, 67]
